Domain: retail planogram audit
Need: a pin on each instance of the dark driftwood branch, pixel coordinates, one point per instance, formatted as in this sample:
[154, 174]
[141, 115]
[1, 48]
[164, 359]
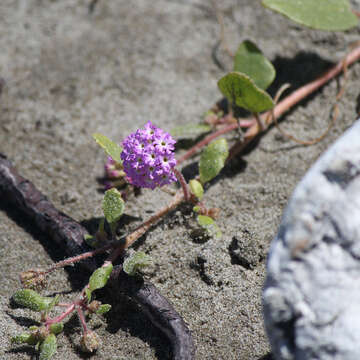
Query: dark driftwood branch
[69, 234]
[66, 232]
[161, 313]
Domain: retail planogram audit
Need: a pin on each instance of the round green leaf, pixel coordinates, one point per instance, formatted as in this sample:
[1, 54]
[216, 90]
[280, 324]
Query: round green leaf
[56, 328]
[32, 300]
[104, 308]
[24, 338]
[112, 149]
[196, 209]
[135, 262]
[207, 223]
[331, 15]
[48, 347]
[100, 277]
[113, 205]
[250, 61]
[239, 89]
[213, 159]
[196, 188]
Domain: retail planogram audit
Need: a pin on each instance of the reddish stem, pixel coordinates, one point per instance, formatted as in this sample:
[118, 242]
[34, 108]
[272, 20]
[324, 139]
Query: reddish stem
[183, 184]
[82, 319]
[309, 88]
[144, 227]
[80, 257]
[59, 318]
[210, 138]
[279, 109]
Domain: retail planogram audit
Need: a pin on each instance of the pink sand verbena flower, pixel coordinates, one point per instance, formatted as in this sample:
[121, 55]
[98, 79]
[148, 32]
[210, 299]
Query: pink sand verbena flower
[148, 157]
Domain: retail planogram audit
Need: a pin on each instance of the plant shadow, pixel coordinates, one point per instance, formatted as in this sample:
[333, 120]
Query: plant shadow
[127, 316]
[298, 71]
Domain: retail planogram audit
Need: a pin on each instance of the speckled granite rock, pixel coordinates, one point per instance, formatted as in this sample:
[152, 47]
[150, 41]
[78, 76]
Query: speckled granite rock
[311, 297]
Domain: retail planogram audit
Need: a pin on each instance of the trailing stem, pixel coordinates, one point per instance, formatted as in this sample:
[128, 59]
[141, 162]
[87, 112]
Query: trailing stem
[282, 107]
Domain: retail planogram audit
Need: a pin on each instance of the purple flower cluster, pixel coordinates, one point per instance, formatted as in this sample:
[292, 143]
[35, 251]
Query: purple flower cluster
[148, 157]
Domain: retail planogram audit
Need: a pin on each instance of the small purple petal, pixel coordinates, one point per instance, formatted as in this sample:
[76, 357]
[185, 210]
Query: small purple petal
[148, 157]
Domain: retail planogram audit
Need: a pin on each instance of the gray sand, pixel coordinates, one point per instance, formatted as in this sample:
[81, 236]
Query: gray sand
[70, 74]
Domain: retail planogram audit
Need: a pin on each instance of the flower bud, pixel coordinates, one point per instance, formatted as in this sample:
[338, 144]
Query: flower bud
[94, 306]
[33, 279]
[90, 342]
[41, 333]
[113, 170]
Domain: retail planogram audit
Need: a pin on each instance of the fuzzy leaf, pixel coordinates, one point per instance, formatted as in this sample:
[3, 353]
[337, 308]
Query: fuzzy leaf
[135, 262]
[113, 205]
[209, 225]
[196, 209]
[213, 159]
[48, 347]
[240, 90]
[331, 15]
[250, 61]
[56, 328]
[112, 149]
[196, 188]
[88, 294]
[24, 338]
[100, 277]
[91, 240]
[191, 131]
[104, 308]
[32, 300]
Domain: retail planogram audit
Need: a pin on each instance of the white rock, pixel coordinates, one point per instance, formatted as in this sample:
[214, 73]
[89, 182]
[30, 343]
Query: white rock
[312, 292]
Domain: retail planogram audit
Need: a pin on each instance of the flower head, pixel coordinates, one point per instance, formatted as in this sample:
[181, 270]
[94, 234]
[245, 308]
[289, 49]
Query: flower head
[148, 157]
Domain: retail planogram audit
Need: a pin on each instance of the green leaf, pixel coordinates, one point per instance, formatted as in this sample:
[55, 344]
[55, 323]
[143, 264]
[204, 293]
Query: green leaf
[112, 149]
[100, 277]
[196, 188]
[240, 90]
[213, 159]
[207, 223]
[135, 262]
[191, 131]
[250, 61]
[24, 338]
[103, 309]
[88, 294]
[48, 347]
[32, 300]
[331, 15]
[56, 328]
[113, 205]
[91, 240]
[196, 209]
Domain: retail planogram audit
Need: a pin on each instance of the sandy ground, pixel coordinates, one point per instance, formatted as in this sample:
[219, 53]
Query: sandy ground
[70, 74]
